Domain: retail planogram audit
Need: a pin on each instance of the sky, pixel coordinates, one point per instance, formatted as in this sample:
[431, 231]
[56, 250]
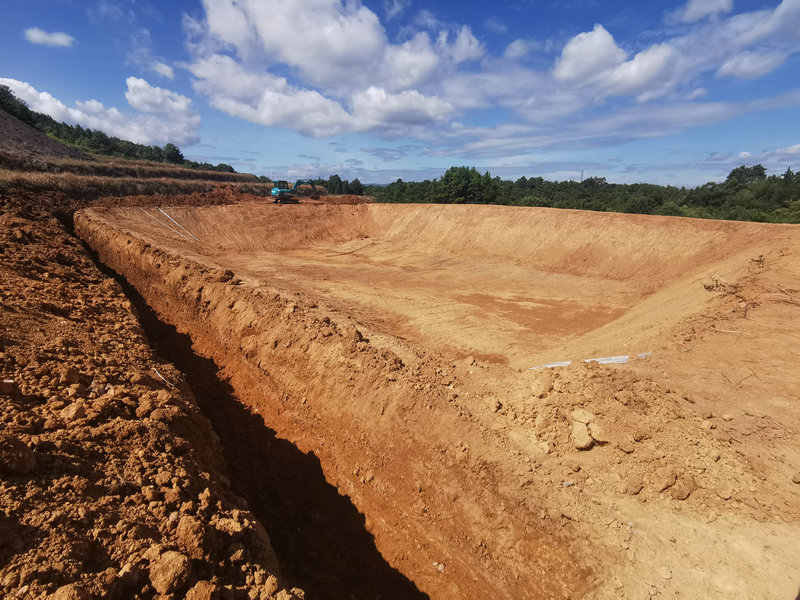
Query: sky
[674, 93]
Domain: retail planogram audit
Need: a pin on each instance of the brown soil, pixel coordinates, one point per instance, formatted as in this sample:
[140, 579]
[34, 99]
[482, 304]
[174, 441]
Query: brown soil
[112, 483]
[392, 342]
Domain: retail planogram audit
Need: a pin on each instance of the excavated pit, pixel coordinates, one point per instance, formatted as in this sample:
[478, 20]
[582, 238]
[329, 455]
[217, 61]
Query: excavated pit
[391, 342]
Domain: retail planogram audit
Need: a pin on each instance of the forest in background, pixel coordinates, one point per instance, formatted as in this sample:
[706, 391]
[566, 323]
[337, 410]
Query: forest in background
[748, 194]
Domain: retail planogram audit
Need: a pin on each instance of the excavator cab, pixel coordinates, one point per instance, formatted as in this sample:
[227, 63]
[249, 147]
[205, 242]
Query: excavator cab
[282, 194]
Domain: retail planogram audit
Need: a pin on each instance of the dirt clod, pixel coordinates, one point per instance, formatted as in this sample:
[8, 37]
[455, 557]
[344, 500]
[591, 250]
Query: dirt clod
[170, 572]
[580, 436]
[70, 592]
[684, 486]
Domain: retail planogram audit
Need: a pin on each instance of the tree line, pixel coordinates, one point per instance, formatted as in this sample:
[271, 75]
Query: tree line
[748, 194]
[97, 142]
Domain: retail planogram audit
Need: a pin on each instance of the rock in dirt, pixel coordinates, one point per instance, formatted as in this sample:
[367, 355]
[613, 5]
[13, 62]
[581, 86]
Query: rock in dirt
[796, 477]
[202, 590]
[15, 457]
[580, 415]
[170, 572]
[543, 384]
[8, 387]
[70, 592]
[191, 536]
[725, 492]
[598, 433]
[580, 436]
[683, 487]
[73, 412]
[664, 478]
[633, 485]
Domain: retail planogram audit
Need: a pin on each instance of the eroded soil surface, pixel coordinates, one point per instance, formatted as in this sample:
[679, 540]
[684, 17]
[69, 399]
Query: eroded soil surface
[393, 343]
[112, 483]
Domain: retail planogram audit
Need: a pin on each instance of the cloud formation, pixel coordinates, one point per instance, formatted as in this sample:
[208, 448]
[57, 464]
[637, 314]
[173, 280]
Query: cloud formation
[57, 38]
[699, 9]
[163, 116]
[348, 76]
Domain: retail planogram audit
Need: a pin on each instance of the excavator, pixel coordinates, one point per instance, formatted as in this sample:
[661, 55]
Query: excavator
[282, 194]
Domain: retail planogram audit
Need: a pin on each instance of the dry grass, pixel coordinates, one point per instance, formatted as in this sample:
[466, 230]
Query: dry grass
[91, 187]
[116, 167]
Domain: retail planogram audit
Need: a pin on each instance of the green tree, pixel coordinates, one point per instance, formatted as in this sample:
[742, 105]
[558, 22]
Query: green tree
[746, 174]
[172, 154]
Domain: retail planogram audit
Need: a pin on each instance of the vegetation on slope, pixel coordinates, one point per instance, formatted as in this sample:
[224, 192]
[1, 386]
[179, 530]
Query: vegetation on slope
[748, 194]
[98, 142]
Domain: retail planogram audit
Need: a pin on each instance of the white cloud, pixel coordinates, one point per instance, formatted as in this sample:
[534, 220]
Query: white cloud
[410, 63]
[695, 94]
[38, 36]
[751, 65]
[395, 8]
[341, 46]
[496, 25]
[698, 9]
[743, 155]
[140, 54]
[146, 98]
[635, 75]
[465, 47]
[162, 69]
[589, 54]
[270, 100]
[267, 99]
[375, 107]
[520, 48]
[632, 123]
[792, 150]
[173, 121]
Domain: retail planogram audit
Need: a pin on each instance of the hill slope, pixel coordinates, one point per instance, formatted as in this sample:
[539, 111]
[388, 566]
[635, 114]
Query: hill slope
[20, 139]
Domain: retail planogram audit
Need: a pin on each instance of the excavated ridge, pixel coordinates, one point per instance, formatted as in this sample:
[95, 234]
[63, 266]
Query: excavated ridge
[339, 326]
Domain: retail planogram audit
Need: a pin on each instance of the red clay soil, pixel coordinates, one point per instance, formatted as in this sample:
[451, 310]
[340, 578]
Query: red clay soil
[112, 483]
[392, 343]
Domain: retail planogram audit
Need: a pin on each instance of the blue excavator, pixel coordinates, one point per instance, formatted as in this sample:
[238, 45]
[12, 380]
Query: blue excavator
[283, 194]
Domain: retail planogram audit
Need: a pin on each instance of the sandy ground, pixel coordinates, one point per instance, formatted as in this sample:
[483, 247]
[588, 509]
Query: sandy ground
[675, 474]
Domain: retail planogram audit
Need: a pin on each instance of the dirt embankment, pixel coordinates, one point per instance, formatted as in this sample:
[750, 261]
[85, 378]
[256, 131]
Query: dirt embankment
[112, 483]
[478, 480]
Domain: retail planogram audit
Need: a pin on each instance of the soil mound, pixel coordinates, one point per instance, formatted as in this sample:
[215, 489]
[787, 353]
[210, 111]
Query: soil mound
[112, 483]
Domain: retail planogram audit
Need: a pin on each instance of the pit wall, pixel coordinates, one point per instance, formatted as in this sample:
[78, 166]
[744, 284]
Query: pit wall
[644, 250]
[389, 435]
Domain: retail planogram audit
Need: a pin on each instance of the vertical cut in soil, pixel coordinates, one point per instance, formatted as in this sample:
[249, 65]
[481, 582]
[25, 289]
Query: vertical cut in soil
[318, 535]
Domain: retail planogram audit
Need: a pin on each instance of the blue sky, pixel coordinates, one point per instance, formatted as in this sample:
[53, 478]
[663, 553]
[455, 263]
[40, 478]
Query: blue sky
[664, 92]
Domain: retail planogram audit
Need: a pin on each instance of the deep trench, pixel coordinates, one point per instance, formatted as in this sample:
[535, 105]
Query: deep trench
[318, 535]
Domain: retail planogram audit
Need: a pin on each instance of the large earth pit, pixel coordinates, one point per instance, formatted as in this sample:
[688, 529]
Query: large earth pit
[394, 342]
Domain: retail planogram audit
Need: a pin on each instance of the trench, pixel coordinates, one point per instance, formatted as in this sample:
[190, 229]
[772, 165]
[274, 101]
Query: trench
[318, 535]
